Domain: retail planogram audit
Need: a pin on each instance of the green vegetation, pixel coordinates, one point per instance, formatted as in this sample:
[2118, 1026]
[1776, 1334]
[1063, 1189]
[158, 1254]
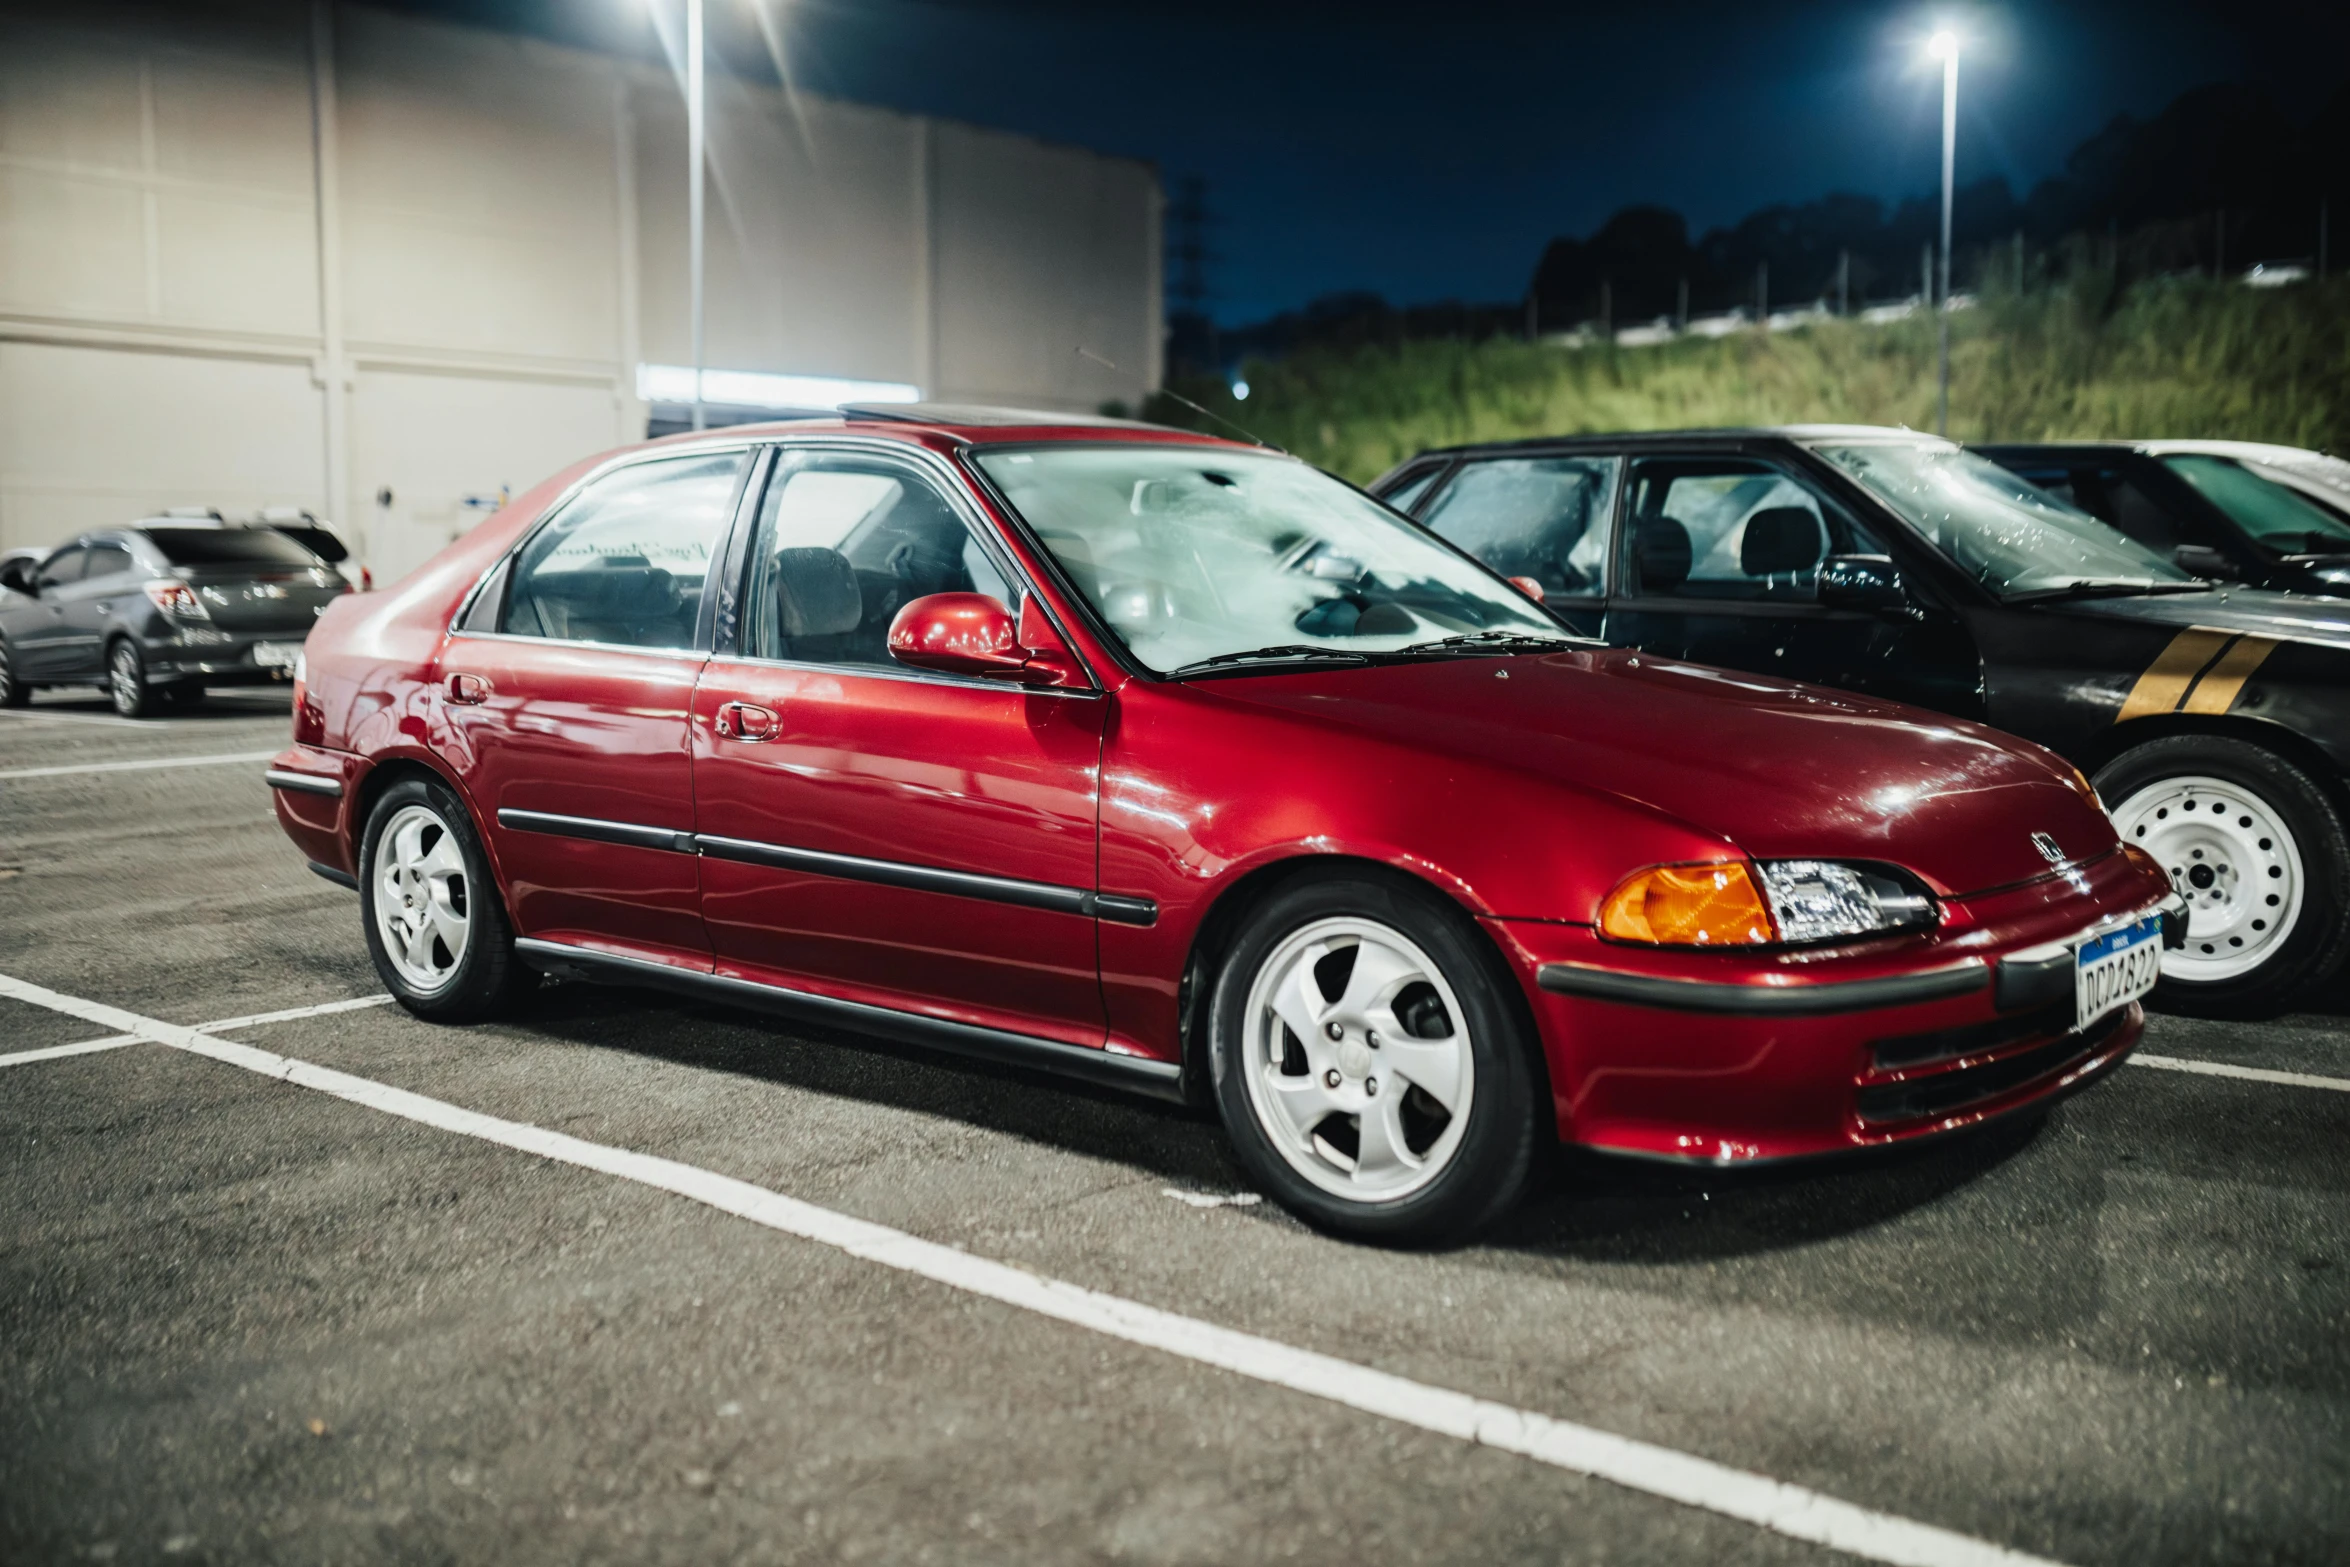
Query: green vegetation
[2080, 359]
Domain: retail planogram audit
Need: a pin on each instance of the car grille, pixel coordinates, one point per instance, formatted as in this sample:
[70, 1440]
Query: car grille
[1975, 1038]
[1947, 1093]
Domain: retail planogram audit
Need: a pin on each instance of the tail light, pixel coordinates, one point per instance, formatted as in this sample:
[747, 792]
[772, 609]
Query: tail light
[177, 598]
[367, 579]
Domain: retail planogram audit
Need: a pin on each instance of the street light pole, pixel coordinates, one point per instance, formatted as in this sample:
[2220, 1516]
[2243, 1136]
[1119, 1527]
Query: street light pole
[694, 156]
[1945, 47]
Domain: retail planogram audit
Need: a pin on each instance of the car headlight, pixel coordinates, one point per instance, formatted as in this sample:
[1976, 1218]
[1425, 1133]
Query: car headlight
[1720, 903]
[1813, 900]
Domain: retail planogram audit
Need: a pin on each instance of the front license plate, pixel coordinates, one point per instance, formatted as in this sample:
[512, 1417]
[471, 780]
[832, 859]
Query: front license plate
[276, 655]
[2115, 969]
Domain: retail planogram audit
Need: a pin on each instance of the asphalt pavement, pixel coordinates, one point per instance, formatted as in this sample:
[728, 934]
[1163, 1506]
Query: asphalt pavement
[623, 1279]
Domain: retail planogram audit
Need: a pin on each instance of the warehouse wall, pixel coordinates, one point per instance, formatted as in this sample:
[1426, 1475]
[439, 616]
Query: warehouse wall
[392, 269]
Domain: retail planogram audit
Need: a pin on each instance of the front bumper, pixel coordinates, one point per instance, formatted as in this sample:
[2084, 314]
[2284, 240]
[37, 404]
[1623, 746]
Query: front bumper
[1726, 1057]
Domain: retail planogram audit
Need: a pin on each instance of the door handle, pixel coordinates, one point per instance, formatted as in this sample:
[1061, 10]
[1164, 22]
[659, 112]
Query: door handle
[469, 689]
[747, 723]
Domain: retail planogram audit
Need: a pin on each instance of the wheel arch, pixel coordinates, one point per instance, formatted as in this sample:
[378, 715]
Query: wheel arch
[1229, 910]
[381, 777]
[2286, 744]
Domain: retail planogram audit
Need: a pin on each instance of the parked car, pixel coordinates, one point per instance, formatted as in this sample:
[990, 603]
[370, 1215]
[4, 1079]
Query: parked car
[159, 610]
[2215, 720]
[1175, 764]
[2234, 511]
[316, 537]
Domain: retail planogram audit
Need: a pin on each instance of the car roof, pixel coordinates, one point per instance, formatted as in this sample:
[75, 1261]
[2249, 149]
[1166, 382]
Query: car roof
[2249, 451]
[1800, 434]
[953, 424]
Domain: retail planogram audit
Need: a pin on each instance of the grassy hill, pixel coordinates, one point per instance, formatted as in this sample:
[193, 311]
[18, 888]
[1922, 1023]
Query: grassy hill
[2168, 357]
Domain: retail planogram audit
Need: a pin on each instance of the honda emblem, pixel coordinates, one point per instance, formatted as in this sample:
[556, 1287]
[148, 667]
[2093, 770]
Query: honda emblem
[2048, 849]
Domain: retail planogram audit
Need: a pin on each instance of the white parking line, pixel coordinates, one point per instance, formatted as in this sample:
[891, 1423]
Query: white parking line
[80, 1047]
[221, 759]
[292, 1014]
[2250, 1074]
[83, 1047]
[1791, 1510]
[44, 717]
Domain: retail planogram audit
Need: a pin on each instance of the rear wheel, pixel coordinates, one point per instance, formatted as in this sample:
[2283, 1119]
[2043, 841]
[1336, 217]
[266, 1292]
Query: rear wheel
[1369, 1066]
[126, 681]
[2259, 854]
[435, 925]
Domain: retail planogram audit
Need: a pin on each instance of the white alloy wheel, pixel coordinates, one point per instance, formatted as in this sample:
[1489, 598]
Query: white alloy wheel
[2232, 858]
[423, 907]
[1356, 1058]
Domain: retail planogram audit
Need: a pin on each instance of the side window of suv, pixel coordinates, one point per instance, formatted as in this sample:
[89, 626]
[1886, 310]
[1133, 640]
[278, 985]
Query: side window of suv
[1731, 528]
[846, 541]
[63, 567]
[1540, 517]
[626, 561]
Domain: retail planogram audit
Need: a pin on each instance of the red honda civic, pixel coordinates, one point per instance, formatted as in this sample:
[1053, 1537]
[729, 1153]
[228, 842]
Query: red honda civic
[1174, 764]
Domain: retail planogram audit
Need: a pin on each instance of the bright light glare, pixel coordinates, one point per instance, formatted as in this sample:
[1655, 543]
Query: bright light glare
[755, 389]
[1943, 45]
[1240, 391]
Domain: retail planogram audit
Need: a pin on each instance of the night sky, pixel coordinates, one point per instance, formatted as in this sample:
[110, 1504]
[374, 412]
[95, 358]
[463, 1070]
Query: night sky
[1427, 152]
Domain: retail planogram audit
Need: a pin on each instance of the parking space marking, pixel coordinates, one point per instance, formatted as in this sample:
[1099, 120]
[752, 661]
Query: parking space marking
[83, 718]
[1792, 1510]
[80, 1047]
[220, 759]
[294, 1014]
[2250, 1074]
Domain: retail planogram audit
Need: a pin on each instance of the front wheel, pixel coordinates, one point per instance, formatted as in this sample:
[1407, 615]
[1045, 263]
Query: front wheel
[435, 926]
[1369, 1065]
[2260, 856]
[13, 691]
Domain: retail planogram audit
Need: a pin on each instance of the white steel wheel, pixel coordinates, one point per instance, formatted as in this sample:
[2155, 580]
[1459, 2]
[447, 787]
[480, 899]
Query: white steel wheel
[1357, 1060]
[423, 903]
[2231, 856]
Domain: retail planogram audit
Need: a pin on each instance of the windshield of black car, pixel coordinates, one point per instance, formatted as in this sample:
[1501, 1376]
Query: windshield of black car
[2276, 515]
[2011, 537]
[230, 547]
[1191, 554]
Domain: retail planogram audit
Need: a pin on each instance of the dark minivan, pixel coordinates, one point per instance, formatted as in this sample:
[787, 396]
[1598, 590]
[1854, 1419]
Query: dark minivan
[160, 610]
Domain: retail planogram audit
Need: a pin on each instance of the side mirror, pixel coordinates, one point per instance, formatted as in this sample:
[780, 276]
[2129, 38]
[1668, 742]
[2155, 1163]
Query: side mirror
[2205, 561]
[1529, 587]
[973, 634]
[1861, 582]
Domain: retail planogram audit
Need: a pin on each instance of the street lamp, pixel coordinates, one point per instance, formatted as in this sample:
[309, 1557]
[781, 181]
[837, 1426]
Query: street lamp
[1942, 46]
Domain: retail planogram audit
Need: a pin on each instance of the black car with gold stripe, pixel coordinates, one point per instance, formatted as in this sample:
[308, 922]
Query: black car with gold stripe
[2214, 720]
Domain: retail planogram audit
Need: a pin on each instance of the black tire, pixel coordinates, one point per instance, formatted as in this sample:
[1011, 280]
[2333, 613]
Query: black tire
[1487, 1167]
[486, 975]
[126, 681]
[13, 692]
[2307, 954]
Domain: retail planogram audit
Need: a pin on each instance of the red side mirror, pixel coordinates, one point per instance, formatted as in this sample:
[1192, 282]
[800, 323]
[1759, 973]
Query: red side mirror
[1529, 587]
[973, 634]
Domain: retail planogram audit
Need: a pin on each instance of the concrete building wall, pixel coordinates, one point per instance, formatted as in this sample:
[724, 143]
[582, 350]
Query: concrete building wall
[392, 269]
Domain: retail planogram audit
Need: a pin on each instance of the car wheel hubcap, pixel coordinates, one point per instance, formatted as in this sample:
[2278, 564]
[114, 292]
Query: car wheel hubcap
[125, 679]
[1356, 1059]
[2232, 858]
[422, 908]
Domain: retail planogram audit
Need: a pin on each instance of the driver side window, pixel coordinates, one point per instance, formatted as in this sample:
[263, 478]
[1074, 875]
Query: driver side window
[63, 567]
[846, 541]
[1731, 528]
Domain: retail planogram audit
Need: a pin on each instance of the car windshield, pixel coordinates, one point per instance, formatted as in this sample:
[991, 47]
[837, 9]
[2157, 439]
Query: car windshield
[1199, 555]
[229, 547]
[2277, 516]
[2018, 541]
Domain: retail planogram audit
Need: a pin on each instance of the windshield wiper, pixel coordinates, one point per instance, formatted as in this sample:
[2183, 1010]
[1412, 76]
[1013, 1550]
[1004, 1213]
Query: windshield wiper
[1287, 653]
[1495, 641]
[2087, 588]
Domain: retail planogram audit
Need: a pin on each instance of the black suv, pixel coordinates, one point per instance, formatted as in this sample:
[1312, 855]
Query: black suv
[2270, 516]
[2215, 719]
[159, 610]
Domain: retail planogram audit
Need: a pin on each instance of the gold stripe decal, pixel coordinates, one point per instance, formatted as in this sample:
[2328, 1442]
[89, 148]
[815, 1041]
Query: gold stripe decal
[2173, 671]
[2224, 681]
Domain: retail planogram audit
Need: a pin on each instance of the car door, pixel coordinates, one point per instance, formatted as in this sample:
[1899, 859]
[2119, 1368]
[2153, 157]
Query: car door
[1719, 562]
[563, 698]
[1548, 518]
[91, 604]
[40, 639]
[872, 832]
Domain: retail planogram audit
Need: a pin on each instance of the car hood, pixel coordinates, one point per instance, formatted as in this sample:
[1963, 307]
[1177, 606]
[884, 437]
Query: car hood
[1773, 768]
[2289, 617]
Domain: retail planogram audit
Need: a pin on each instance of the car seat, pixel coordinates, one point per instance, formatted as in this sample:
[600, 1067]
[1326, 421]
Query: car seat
[1661, 554]
[819, 608]
[1782, 541]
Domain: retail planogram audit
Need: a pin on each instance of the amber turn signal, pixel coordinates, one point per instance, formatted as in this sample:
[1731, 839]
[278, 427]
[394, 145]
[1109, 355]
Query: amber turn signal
[1712, 905]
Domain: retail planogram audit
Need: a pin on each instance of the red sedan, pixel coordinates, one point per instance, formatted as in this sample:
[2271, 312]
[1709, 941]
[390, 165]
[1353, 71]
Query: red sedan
[1174, 764]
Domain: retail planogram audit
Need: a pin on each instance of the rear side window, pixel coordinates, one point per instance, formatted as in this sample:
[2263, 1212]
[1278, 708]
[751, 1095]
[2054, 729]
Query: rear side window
[1539, 517]
[230, 547]
[626, 562]
[108, 560]
[1732, 528]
